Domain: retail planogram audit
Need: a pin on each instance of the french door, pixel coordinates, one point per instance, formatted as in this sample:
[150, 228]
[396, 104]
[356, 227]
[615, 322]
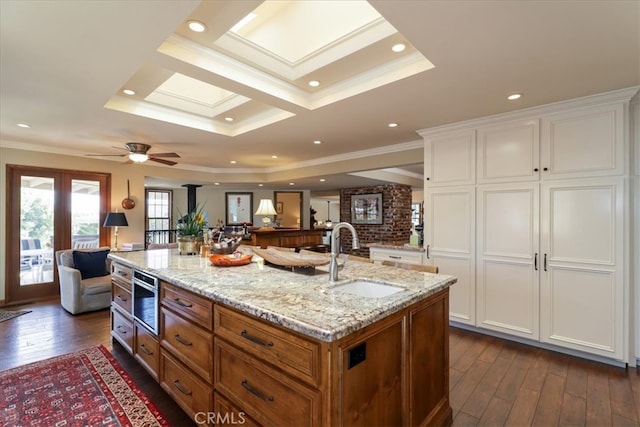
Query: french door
[49, 210]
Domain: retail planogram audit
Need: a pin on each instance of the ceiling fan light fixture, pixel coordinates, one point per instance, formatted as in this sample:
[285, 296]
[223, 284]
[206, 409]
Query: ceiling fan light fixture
[138, 157]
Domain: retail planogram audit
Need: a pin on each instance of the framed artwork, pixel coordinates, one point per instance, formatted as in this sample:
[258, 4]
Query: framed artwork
[279, 208]
[366, 208]
[239, 208]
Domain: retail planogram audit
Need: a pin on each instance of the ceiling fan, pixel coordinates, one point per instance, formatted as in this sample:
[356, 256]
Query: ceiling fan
[138, 153]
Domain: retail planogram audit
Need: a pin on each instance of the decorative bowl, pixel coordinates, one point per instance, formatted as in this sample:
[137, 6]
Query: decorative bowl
[227, 247]
[222, 260]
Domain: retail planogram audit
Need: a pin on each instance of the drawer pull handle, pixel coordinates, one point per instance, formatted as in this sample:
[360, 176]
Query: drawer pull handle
[255, 340]
[121, 299]
[181, 388]
[428, 247]
[255, 392]
[145, 350]
[182, 340]
[395, 257]
[182, 304]
[121, 329]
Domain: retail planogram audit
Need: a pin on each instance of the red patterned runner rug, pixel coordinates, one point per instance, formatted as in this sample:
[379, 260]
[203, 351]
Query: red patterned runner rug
[84, 388]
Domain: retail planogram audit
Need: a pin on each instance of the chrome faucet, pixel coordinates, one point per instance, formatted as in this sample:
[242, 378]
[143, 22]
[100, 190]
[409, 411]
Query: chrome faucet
[335, 248]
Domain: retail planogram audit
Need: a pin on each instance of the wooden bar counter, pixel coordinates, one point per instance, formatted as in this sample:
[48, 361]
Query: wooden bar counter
[286, 237]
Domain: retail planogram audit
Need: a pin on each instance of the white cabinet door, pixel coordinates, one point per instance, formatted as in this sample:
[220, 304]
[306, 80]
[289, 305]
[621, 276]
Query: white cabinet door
[586, 142]
[509, 152]
[450, 244]
[450, 159]
[508, 259]
[582, 288]
[396, 255]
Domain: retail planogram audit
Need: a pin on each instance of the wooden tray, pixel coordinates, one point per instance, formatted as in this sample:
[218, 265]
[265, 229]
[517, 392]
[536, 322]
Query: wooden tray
[230, 260]
[288, 258]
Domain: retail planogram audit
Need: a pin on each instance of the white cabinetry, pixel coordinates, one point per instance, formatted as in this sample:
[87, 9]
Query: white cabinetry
[585, 142]
[543, 252]
[450, 244]
[508, 258]
[582, 286]
[450, 159]
[509, 152]
[407, 256]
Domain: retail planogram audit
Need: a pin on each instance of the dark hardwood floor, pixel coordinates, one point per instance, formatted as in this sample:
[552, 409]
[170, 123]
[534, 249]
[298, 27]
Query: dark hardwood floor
[493, 382]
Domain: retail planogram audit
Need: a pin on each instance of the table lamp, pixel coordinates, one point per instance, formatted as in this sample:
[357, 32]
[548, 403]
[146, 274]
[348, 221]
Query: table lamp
[266, 208]
[115, 219]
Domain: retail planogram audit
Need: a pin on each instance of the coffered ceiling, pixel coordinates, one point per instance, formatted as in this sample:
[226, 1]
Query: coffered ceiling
[236, 100]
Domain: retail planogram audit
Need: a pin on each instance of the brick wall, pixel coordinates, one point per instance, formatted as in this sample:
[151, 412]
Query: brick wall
[396, 217]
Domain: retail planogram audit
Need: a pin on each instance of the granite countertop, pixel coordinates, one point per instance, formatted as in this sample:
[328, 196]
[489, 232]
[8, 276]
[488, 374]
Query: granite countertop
[400, 246]
[303, 303]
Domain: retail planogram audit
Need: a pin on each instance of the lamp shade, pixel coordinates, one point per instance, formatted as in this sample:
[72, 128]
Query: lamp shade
[115, 219]
[266, 208]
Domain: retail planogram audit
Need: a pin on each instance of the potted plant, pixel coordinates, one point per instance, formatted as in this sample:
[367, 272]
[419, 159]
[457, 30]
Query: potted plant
[190, 228]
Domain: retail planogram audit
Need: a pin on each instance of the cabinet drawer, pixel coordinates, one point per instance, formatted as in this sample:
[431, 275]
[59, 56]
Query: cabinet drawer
[293, 354]
[122, 329]
[191, 393]
[189, 343]
[147, 350]
[121, 274]
[192, 306]
[229, 414]
[408, 257]
[121, 296]
[265, 394]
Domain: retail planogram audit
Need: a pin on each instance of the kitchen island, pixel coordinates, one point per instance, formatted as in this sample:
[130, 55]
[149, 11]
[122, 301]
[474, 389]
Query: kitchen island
[270, 346]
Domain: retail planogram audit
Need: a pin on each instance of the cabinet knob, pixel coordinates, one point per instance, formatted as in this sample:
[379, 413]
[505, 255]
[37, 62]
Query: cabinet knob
[545, 169]
[535, 170]
[428, 178]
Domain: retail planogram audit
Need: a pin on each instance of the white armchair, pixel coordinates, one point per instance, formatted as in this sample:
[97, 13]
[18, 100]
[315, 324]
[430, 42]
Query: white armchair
[78, 295]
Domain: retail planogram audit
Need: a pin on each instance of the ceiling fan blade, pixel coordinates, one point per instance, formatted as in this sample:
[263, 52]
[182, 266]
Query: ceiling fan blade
[165, 155]
[163, 161]
[106, 155]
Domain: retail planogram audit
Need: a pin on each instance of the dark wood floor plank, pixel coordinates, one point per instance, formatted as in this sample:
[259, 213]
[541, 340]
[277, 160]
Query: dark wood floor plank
[465, 420]
[478, 401]
[497, 412]
[577, 379]
[523, 408]
[598, 397]
[534, 380]
[622, 401]
[550, 402]
[573, 410]
[512, 381]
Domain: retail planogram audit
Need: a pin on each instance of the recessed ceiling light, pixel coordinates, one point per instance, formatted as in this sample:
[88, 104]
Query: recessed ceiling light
[233, 162]
[229, 119]
[398, 47]
[129, 92]
[393, 125]
[317, 142]
[24, 125]
[216, 183]
[322, 180]
[260, 185]
[274, 157]
[197, 26]
[292, 183]
[514, 96]
[314, 83]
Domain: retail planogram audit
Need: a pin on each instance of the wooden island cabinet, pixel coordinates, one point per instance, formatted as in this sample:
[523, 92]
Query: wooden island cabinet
[224, 362]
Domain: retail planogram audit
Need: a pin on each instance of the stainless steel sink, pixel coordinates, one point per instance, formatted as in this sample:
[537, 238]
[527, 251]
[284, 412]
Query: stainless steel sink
[368, 288]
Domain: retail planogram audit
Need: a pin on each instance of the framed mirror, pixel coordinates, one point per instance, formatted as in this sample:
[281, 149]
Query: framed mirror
[239, 208]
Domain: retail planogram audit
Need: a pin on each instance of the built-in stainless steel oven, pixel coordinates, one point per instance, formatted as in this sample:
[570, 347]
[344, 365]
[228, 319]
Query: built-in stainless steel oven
[145, 300]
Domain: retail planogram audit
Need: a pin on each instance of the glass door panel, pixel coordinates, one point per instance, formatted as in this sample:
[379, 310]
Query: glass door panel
[36, 230]
[85, 214]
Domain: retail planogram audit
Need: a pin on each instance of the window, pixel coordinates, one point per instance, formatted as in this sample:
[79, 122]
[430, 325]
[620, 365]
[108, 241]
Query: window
[159, 224]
